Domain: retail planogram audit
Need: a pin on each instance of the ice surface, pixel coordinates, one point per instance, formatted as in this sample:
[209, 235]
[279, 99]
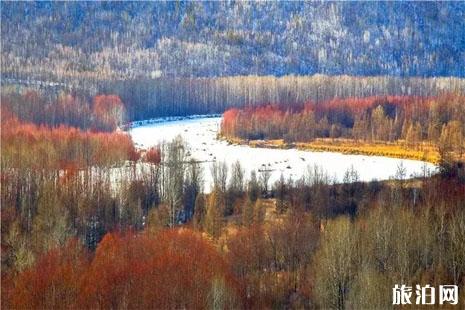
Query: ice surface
[201, 137]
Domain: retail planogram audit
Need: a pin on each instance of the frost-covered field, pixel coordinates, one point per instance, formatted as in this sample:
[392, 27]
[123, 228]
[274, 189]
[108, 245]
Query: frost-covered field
[201, 137]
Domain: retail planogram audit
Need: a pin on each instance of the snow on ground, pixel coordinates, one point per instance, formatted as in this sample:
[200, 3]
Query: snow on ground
[201, 137]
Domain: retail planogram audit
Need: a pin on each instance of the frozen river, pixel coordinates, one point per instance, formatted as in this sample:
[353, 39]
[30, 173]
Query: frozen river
[201, 137]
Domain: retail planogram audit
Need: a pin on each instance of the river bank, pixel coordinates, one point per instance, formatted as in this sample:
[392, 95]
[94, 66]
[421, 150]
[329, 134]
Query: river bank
[424, 152]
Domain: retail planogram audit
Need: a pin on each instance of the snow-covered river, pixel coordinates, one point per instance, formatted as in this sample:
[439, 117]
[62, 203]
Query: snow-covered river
[201, 137]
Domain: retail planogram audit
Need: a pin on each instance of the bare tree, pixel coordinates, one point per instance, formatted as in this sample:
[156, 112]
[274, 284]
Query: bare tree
[265, 175]
[173, 177]
[253, 187]
[219, 171]
[193, 186]
[236, 183]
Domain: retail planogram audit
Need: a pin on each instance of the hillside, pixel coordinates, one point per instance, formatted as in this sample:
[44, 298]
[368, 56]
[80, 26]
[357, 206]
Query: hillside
[173, 39]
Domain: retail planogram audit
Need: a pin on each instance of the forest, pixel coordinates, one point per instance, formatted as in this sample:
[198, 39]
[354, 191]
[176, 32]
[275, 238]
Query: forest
[91, 221]
[123, 41]
[145, 98]
[430, 124]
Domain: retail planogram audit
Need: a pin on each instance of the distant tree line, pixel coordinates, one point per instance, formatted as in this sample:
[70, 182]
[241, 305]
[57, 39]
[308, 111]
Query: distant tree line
[100, 113]
[145, 98]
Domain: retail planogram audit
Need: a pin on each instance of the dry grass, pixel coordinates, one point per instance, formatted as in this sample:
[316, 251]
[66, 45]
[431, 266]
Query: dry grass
[424, 151]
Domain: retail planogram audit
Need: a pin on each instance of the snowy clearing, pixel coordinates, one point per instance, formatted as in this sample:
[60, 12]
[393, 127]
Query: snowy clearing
[201, 137]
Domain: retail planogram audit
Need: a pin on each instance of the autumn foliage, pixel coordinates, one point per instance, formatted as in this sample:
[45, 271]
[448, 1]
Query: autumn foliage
[153, 155]
[84, 213]
[109, 111]
[56, 180]
[391, 118]
[103, 113]
[53, 282]
[169, 270]
[43, 147]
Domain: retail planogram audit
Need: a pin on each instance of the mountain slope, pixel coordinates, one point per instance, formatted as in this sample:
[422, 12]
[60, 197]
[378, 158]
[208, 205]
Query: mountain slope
[149, 39]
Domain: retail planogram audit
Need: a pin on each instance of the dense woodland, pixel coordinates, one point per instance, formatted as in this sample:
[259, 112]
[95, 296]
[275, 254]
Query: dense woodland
[413, 120]
[89, 221]
[117, 40]
[102, 113]
[147, 98]
[184, 96]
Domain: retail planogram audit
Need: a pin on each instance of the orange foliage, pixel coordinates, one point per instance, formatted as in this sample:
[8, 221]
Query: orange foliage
[172, 269]
[53, 282]
[248, 120]
[228, 122]
[42, 147]
[106, 114]
[109, 110]
[153, 156]
[337, 118]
